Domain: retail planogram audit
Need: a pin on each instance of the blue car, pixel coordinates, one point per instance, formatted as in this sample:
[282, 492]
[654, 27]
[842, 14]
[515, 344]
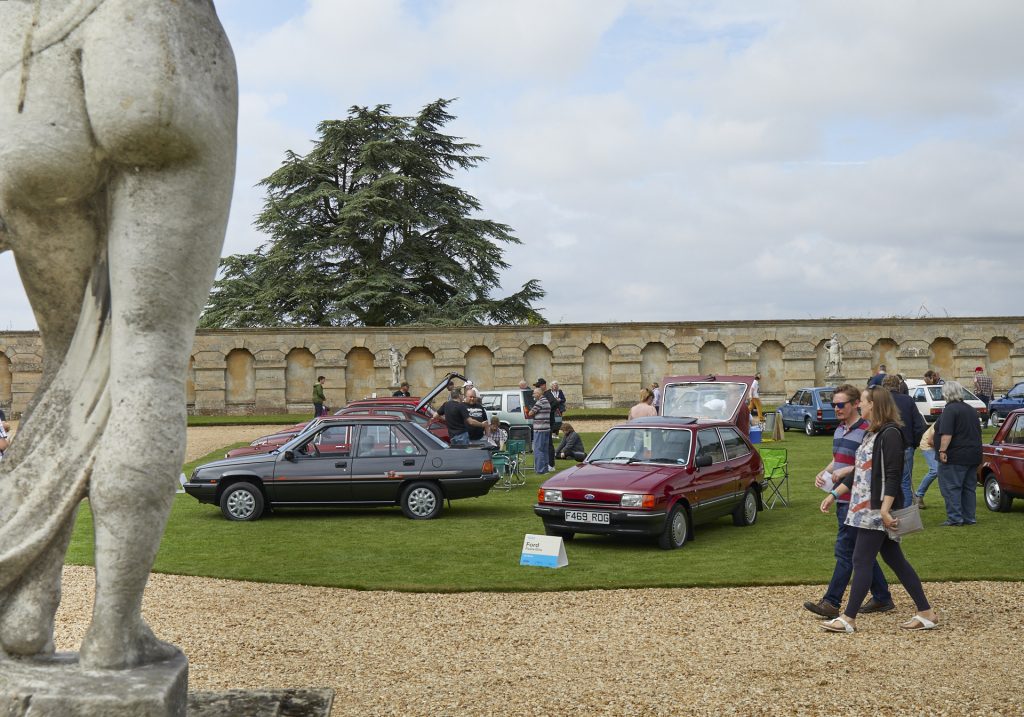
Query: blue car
[809, 409]
[1001, 407]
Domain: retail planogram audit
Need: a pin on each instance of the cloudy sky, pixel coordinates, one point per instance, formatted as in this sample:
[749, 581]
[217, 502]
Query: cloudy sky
[669, 160]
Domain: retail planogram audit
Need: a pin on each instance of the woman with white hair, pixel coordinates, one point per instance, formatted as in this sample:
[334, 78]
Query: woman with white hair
[958, 435]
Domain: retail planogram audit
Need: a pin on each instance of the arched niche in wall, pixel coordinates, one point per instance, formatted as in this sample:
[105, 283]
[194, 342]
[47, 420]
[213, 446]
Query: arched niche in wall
[653, 363]
[299, 376]
[538, 364]
[360, 381]
[480, 367]
[821, 363]
[190, 382]
[240, 379]
[597, 376]
[885, 351]
[941, 358]
[419, 370]
[769, 365]
[1000, 363]
[712, 358]
[6, 391]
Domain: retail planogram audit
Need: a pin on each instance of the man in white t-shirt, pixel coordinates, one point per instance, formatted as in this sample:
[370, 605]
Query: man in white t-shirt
[755, 398]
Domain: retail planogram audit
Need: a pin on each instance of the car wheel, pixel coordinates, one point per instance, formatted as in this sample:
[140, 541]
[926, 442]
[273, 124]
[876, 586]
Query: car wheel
[241, 501]
[782, 420]
[995, 419]
[996, 499]
[676, 528]
[746, 512]
[809, 427]
[562, 533]
[422, 501]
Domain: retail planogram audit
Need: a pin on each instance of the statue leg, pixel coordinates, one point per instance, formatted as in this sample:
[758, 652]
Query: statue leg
[166, 230]
[55, 251]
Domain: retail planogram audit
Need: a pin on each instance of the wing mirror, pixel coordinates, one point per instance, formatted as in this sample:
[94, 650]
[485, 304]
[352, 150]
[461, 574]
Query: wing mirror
[289, 456]
[703, 461]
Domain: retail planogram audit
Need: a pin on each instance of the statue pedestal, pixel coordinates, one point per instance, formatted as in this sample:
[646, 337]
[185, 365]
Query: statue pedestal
[837, 380]
[57, 687]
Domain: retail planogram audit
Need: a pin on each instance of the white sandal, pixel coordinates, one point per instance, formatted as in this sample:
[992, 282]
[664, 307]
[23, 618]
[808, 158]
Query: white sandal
[830, 625]
[923, 623]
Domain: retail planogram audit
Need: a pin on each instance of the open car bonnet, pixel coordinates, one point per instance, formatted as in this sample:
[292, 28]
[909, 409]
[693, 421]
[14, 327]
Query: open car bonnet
[425, 401]
[707, 398]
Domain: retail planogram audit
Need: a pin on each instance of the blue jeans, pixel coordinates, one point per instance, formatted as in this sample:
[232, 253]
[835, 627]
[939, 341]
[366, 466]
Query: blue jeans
[846, 538]
[959, 487]
[541, 439]
[459, 439]
[907, 484]
[933, 471]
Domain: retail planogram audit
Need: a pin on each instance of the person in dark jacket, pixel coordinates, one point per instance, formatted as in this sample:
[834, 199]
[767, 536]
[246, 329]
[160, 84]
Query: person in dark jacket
[958, 439]
[913, 428]
[571, 445]
[874, 488]
[403, 391]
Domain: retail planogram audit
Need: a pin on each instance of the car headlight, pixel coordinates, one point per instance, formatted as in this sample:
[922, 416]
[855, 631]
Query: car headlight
[637, 500]
[552, 496]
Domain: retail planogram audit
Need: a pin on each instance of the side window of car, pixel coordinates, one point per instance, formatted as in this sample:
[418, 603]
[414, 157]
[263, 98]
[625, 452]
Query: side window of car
[708, 444]
[1017, 391]
[374, 441]
[805, 398]
[332, 441]
[1016, 434]
[796, 398]
[919, 395]
[735, 446]
[514, 403]
[402, 445]
[491, 401]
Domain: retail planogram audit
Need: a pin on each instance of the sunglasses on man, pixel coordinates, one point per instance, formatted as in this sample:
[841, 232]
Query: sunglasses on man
[839, 404]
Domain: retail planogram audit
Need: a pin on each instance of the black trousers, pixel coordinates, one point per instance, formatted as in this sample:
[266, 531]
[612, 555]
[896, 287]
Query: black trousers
[870, 544]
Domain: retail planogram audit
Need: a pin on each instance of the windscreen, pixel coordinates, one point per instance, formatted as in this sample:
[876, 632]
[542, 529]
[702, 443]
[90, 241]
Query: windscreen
[712, 401]
[643, 445]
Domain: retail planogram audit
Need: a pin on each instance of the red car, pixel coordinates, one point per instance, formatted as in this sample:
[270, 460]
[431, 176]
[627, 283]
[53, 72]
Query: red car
[659, 476]
[416, 410]
[1002, 464]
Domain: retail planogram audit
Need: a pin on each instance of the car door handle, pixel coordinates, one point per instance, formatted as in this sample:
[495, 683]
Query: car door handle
[341, 464]
[408, 462]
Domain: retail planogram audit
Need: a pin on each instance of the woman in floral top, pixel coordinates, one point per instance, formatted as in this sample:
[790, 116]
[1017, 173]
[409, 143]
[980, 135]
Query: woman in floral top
[873, 487]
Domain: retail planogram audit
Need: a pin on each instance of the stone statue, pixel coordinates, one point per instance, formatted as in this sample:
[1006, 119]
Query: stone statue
[834, 364]
[395, 360]
[116, 169]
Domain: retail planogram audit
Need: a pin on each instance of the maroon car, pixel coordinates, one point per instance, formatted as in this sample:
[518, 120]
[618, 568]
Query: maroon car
[661, 475]
[416, 410]
[1002, 464]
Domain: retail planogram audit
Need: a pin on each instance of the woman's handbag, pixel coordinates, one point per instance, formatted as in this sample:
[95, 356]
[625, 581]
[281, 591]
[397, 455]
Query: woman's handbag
[908, 521]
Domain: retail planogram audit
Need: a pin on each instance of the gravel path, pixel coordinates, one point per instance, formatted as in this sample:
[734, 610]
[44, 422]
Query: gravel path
[203, 439]
[746, 651]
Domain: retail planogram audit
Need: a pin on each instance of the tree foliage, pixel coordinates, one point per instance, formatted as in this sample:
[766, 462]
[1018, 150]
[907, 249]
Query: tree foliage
[366, 229]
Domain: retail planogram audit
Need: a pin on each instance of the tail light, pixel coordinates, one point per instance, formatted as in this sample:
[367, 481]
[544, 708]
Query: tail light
[488, 467]
[819, 414]
[936, 411]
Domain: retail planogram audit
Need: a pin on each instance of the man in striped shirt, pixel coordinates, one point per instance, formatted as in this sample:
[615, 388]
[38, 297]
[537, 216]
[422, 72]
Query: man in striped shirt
[983, 388]
[848, 437]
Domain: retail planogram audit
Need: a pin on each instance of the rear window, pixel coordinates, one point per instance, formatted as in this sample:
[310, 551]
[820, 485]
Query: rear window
[826, 397]
[936, 392]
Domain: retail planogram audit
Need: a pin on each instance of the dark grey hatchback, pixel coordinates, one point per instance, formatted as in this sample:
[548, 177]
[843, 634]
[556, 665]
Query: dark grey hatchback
[347, 461]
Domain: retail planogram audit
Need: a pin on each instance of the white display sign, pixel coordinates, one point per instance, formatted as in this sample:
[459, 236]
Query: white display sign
[545, 551]
[181, 480]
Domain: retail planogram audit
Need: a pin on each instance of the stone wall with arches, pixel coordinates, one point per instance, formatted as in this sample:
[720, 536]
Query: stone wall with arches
[273, 370]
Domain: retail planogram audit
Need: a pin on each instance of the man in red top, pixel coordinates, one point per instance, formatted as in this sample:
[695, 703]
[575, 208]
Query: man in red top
[848, 437]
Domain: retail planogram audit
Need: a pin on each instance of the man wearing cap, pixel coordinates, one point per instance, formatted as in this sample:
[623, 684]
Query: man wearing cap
[553, 410]
[983, 388]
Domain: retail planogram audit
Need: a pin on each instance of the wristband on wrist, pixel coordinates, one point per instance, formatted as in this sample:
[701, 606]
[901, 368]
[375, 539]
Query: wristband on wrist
[834, 494]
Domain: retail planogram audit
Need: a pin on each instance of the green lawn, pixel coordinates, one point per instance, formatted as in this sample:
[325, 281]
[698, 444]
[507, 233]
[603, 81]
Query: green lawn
[476, 543]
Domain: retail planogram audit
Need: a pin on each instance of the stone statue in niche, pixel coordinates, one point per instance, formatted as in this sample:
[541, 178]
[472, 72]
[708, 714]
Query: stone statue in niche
[116, 169]
[834, 363]
[395, 361]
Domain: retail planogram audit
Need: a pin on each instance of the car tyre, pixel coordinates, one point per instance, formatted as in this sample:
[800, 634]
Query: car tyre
[677, 527]
[809, 427]
[422, 501]
[562, 533]
[746, 512]
[994, 419]
[241, 501]
[996, 499]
